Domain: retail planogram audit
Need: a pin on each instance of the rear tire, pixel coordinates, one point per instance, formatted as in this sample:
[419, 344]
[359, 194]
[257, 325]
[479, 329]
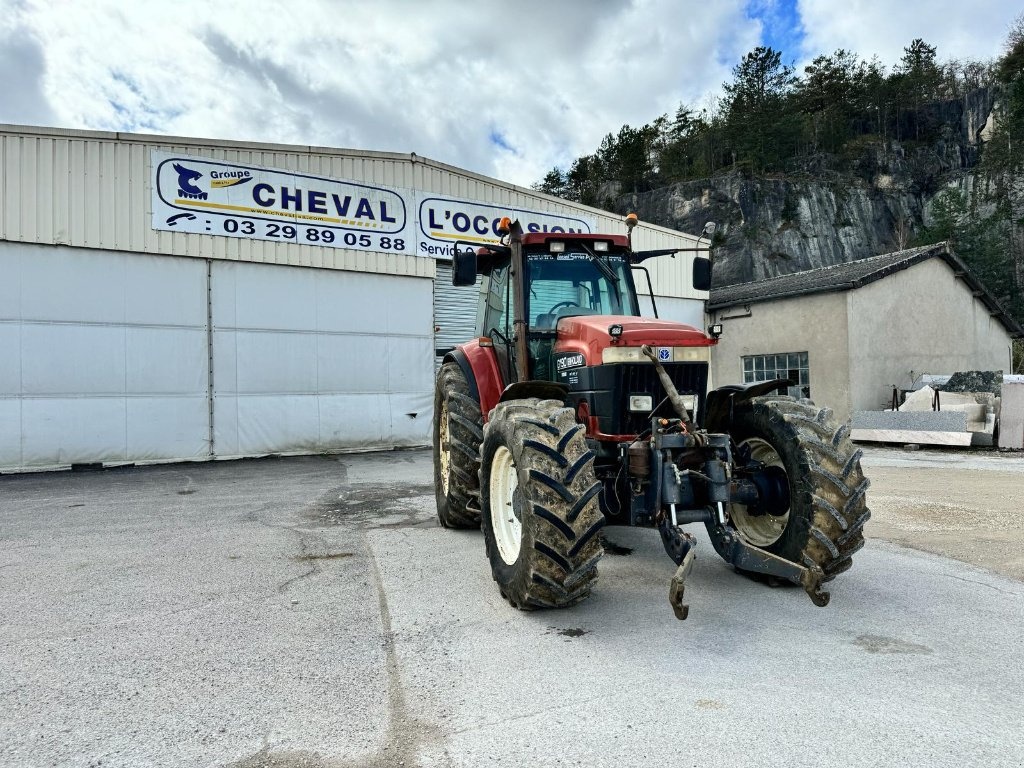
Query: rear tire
[824, 525]
[458, 431]
[539, 498]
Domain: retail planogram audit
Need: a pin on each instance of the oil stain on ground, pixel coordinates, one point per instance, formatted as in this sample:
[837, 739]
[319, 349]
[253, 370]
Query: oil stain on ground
[570, 632]
[377, 506]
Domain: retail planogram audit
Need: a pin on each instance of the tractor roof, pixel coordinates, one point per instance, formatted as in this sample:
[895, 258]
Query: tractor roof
[543, 238]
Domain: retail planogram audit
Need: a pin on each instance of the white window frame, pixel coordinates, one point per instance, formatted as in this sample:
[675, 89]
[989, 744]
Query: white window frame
[769, 369]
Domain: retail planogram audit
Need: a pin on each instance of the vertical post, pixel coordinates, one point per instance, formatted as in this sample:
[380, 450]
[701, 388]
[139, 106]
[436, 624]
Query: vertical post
[519, 320]
[209, 356]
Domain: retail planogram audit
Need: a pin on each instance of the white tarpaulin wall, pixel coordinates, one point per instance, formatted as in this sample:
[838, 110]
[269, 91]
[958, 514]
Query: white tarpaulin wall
[312, 360]
[103, 357]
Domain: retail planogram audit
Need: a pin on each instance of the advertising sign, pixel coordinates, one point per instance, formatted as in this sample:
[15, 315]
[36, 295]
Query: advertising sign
[210, 197]
[442, 221]
[204, 196]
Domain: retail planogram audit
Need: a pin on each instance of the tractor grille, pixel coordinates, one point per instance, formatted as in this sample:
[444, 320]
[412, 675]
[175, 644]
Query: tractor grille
[688, 378]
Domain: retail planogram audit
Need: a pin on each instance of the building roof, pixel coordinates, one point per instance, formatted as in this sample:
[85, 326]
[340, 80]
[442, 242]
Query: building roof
[855, 274]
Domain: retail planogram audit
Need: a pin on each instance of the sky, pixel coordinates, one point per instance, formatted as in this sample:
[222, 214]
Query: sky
[506, 89]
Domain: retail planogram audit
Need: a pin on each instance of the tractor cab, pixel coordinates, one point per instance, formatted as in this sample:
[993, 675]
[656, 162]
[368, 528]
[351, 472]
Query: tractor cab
[573, 320]
[565, 275]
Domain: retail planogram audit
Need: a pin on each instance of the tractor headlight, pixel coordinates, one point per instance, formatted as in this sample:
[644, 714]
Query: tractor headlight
[641, 403]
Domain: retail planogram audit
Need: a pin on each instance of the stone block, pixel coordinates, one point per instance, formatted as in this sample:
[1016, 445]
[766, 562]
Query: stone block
[906, 436]
[912, 421]
[1011, 416]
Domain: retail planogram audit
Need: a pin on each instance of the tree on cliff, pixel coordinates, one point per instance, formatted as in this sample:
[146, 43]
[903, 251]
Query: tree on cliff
[760, 128]
[831, 93]
[918, 78]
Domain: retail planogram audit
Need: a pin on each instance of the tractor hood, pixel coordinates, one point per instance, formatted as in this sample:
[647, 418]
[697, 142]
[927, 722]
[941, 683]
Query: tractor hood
[589, 335]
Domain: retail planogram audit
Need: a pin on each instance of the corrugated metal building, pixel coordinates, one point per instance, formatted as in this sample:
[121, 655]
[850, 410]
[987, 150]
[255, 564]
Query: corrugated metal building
[168, 298]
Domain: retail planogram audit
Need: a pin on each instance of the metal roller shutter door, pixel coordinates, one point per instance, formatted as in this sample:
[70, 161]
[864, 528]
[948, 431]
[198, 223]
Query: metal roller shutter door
[455, 311]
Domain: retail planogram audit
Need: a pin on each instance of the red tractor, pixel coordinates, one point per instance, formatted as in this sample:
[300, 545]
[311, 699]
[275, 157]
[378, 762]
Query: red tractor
[571, 411]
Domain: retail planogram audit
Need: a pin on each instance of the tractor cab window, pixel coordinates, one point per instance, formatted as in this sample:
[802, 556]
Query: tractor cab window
[566, 284]
[497, 302]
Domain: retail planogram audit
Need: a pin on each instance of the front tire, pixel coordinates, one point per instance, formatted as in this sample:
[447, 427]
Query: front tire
[539, 502]
[824, 524]
[458, 432]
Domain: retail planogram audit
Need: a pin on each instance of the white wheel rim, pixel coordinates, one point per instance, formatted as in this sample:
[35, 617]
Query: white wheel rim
[508, 529]
[760, 530]
[444, 446]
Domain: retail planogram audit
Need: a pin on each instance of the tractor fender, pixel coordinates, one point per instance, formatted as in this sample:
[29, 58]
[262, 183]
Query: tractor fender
[480, 367]
[545, 390]
[720, 402]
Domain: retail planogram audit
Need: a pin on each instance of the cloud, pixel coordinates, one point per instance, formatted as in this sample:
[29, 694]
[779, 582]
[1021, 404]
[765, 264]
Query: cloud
[23, 63]
[957, 29]
[505, 90]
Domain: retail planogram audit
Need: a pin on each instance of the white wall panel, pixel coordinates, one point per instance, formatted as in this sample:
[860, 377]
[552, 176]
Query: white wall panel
[276, 423]
[166, 361]
[72, 285]
[10, 358]
[412, 417]
[266, 361]
[352, 363]
[57, 431]
[105, 357]
[310, 360]
[167, 427]
[164, 296]
[407, 359]
[279, 299]
[10, 432]
[362, 419]
[70, 359]
[405, 306]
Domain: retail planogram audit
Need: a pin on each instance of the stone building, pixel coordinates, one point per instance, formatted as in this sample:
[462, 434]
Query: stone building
[845, 335]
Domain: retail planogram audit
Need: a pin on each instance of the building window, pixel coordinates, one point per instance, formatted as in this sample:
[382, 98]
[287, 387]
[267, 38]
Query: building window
[791, 365]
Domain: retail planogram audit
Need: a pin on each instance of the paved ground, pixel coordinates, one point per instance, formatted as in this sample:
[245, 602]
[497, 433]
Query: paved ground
[309, 612]
[961, 504]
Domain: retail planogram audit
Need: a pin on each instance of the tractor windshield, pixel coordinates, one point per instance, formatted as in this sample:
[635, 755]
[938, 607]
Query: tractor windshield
[565, 284]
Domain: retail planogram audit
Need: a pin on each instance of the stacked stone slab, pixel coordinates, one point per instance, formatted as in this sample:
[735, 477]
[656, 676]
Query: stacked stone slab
[966, 405]
[1011, 419]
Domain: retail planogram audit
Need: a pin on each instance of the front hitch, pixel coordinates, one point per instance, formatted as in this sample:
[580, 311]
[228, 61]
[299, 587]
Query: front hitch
[677, 586]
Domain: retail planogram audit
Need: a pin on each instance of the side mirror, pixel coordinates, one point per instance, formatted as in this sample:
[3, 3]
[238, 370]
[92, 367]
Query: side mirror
[701, 274]
[464, 267]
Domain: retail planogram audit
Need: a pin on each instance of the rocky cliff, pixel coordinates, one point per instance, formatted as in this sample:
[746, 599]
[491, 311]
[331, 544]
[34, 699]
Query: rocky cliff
[831, 209]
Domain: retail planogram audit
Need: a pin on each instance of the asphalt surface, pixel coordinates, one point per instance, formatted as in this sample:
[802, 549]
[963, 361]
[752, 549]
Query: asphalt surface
[309, 612]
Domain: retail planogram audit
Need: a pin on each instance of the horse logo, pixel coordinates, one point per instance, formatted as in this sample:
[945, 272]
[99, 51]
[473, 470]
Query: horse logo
[186, 189]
